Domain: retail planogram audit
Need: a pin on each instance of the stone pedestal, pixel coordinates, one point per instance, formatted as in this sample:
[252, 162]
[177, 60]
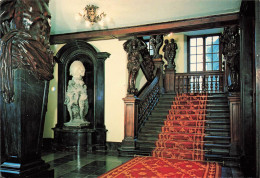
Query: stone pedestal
[235, 124]
[74, 139]
[169, 81]
[131, 124]
[23, 122]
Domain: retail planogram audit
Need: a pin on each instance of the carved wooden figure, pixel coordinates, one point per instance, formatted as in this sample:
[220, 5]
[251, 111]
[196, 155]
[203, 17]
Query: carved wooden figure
[169, 50]
[133, 47]
[138, 57]
[25, 32]
[156, 43]
[230, 43]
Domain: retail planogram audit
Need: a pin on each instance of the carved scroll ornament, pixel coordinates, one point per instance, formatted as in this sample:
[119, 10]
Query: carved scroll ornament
[169, 50]
[137, 56]
[230, 42]
[25, 31]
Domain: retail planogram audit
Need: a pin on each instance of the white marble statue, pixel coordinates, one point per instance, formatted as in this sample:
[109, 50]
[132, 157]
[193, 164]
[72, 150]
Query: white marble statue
[76, 96]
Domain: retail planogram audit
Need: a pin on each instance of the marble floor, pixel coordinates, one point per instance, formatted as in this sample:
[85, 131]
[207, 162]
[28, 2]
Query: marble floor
[77, 165]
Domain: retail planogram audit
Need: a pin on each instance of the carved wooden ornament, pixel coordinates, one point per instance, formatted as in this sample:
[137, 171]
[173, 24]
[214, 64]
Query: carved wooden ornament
[138, 56]
[25, 32]
[230, 43]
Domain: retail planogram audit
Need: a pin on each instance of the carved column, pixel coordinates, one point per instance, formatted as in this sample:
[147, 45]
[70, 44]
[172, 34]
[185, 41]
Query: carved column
[131, 123]
[235, 124]
[26, 66]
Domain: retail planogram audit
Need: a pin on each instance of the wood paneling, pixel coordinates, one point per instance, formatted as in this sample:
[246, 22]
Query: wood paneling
[169, 81]
[235, 124]
[257, 88]
[151, 29]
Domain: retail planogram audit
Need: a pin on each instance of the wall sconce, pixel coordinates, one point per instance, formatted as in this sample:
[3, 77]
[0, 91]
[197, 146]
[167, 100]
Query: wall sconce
[89, 13]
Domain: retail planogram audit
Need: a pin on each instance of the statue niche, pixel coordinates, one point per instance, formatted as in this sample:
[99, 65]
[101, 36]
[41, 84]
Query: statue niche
[81, 82]
[76, 97]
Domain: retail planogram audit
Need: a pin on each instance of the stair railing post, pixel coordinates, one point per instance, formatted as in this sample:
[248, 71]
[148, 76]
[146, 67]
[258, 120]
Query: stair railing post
[158, 63]
[130, 124]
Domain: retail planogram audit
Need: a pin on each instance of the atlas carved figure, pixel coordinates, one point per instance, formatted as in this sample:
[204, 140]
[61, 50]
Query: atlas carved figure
[25, 32]
[133, 47]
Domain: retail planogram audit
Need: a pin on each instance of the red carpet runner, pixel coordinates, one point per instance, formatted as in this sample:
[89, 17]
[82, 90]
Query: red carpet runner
[180, 141]
[183, 131]
[164, 167]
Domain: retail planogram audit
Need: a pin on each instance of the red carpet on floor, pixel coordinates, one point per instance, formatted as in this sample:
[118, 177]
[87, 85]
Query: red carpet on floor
[164, 167]
[179, 149]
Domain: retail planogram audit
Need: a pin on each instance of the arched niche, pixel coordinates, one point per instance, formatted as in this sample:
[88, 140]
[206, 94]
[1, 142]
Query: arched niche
[93, 61]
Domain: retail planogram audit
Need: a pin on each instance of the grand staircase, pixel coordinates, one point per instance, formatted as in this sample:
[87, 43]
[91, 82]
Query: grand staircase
[217, 139]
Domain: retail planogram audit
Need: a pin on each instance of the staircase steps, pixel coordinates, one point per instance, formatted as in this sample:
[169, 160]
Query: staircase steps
[217, 132]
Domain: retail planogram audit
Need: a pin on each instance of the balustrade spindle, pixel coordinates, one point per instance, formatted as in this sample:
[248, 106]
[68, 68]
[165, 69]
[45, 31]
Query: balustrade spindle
[181, 84]
[177, 84]
[198, 84]
[188, 83]
[211, 84]
[185, 84]
[203, 83]
[194, 83]
[206, 83]
[216, 84]
[221, 83]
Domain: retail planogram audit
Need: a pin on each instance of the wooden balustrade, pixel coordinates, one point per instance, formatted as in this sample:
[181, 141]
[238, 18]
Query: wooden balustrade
[148, 99]
[212, 82]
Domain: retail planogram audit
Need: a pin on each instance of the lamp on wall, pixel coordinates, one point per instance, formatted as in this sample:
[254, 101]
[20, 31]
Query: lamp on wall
[89, 14]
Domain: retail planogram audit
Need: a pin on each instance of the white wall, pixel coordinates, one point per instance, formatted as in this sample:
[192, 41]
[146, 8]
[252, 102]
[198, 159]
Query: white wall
[51, 114]
[115, 87]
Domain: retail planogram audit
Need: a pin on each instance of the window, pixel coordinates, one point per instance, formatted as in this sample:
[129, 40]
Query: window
[203, 53]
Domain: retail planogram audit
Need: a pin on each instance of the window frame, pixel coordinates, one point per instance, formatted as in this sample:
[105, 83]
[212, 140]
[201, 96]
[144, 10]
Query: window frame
[204, 54]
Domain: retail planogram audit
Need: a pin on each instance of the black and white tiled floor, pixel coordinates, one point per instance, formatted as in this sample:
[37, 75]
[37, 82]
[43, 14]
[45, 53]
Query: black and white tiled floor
[85, 165]
[77, 165]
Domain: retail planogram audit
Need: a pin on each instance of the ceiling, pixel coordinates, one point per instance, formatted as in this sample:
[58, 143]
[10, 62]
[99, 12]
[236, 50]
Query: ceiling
[122, 13]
